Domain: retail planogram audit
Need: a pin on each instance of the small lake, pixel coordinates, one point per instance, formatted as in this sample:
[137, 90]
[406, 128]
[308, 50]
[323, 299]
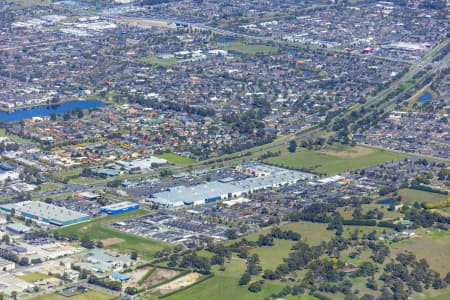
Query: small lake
[424, 97]
[44, 111]
[387, 201]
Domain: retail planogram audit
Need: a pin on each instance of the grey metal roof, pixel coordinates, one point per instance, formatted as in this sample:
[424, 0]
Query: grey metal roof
[276, 176]
[47, 211]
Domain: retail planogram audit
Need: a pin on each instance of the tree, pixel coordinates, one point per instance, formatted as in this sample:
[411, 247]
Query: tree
[86, 172]
[134, 255]
[86, 242]
[255, 287]
[245, 279]
[292, 146]
[231, 234]
[53, 116]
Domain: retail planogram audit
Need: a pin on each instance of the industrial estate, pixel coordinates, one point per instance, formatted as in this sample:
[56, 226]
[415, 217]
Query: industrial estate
[237, 149]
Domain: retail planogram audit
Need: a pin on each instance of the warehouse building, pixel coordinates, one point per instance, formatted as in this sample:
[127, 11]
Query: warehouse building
[261, 177]
[47, 213]
[18, 228]
[119, 208]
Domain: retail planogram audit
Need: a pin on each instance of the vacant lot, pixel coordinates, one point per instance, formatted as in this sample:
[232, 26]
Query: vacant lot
[49, 186]
[160, 275]
[95, 230]
[250, 49]
[177, 283]
[86, 296]
[178, 160]
[34, 277]
[111, 241]
[338, 162]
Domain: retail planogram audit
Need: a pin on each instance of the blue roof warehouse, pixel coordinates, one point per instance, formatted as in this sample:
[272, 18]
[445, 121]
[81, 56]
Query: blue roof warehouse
[45, 212]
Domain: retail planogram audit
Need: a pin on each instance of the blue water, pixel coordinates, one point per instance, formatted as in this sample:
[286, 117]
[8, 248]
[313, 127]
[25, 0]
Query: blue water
[424, 97]
[44, 111]
[387, 201]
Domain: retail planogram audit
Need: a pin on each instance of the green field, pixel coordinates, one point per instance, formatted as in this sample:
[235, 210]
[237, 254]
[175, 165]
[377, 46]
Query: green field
[224, 286]
[163, 62]
[49, 186]
[412, 196]
[86, 296]
[250, 49]
[34, 276]
[178, 160]
[267, 257]
[332, 162]
[123, 242]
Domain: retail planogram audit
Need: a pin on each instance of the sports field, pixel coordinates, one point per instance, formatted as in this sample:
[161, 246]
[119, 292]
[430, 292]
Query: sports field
[86, 296]
[331, 162]
[178, 160]
[250, 49]
[95, 230]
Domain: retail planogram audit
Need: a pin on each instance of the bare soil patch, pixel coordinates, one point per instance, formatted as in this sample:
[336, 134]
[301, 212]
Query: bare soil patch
[178, 283]
[350, 153]
[111, 241]
[161, 275]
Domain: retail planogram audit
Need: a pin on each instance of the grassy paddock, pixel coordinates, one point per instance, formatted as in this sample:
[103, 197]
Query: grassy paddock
[178, 159]
[333, 162]
[411, 196]
[224, 286]
[434, 247]
[95, 230]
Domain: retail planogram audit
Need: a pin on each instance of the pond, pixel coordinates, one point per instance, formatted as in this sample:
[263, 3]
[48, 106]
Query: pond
[386, 201]
[44, 111]
[424, 97]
